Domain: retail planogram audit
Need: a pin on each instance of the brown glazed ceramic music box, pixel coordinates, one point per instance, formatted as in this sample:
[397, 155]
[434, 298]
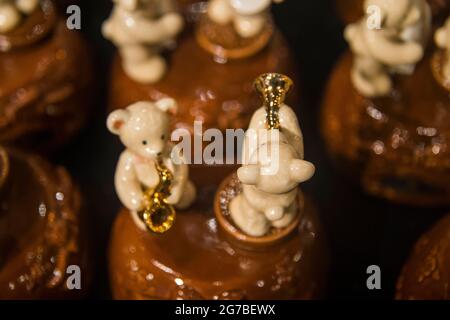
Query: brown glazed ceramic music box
[262, 238]
[426, 275]
[386, 115]
[351, 10]
[45, 78]
[210, 73]
[42, 241]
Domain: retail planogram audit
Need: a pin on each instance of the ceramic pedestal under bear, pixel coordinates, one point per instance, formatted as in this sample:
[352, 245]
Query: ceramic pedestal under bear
[198, 259]
[388, 127]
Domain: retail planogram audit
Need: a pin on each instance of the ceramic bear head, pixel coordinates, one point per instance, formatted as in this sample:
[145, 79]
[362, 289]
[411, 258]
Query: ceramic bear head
[398, 13]
[144, 127]
[276, 169]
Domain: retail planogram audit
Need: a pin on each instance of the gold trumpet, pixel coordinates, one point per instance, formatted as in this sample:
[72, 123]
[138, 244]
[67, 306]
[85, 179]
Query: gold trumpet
[273, 88]
[158, 215]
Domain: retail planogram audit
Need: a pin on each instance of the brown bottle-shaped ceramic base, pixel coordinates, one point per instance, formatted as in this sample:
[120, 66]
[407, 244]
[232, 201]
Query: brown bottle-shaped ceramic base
[397, 147]
[42, 231]
[426, 275]
[200, 259]
[45, 81]
[352, 10]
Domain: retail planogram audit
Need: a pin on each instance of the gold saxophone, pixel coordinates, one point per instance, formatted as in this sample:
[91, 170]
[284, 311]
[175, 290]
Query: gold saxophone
[273, 88]
[158, 215]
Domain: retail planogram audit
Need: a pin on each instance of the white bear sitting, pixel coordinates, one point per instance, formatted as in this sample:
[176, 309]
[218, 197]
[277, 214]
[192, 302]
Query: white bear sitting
[144, 130]
[247, 16]
[141, 29]
[270, 181]
[395, 46]
[442, 38]
[11, 12]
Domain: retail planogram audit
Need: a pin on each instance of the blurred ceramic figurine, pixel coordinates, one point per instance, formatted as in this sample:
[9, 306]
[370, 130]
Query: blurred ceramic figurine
[442, 38]
[11, 12]
[248, 17]
[141, 29]
[274, 167]
[386, 112]
[144, 130]
[392, 47]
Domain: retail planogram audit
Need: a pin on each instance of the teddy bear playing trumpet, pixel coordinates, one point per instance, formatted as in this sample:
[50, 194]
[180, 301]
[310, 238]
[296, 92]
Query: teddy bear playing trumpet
[273, 164]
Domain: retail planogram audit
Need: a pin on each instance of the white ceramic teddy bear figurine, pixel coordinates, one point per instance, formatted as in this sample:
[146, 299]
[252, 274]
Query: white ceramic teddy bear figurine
[269, 198]
[395, 46]
[273, 164]
[442, 38]
[247, 16]
[11, 12]
[141, 29]
[144, 130]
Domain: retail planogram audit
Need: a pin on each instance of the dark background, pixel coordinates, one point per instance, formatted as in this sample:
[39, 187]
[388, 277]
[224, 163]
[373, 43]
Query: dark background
[361, 230]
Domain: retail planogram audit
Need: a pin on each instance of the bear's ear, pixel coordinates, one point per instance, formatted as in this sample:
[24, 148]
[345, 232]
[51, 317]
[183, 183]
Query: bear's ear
[116, 120]
[168, 105]
[301, 170]
[249, 174]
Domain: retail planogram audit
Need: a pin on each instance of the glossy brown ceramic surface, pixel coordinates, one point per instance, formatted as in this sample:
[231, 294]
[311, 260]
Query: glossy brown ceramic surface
[195, 259]
[46, 81]
[398, 146]
[41, 231]
[426, 275]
